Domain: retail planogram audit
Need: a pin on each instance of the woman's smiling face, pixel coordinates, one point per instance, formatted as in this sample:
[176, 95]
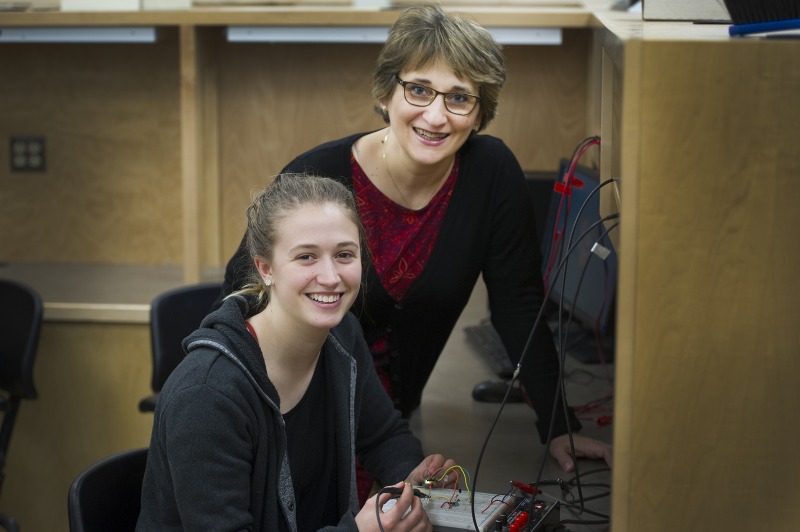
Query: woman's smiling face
[431, 135]
[316, 265]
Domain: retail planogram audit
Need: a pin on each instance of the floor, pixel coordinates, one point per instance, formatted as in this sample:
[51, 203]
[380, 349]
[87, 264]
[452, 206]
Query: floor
[450, 422]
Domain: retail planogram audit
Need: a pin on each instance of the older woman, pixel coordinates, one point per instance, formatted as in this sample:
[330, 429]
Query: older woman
[443, 205]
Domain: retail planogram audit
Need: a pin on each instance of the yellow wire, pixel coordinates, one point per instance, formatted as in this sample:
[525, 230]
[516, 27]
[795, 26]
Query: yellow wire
[463, 474]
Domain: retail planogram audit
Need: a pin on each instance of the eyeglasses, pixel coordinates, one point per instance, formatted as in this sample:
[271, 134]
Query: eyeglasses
[422, 96]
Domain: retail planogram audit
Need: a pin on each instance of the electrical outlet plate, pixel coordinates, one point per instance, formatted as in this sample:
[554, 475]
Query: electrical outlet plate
[27, 154]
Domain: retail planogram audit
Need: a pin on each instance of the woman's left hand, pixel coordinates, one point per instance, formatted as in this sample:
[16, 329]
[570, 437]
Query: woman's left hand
[585, 447]
[434, 466]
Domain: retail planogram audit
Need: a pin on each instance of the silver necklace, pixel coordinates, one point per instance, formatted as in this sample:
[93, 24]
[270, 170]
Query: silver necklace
[394, 183]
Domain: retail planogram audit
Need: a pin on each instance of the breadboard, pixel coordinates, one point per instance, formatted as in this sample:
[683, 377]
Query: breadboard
[457, 517]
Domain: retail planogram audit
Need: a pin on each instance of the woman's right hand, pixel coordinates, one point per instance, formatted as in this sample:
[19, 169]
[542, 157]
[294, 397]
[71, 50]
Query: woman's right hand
[406, 515]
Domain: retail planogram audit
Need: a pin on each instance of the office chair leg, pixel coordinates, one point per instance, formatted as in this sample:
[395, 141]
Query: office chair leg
[9, 523]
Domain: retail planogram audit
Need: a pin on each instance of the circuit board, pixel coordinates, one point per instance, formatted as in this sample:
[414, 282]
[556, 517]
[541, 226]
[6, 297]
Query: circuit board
[450, 511]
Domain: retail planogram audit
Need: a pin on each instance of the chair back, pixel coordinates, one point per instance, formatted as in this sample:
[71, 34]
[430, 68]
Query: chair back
[108, 494]
[20, 325]
[173, 316]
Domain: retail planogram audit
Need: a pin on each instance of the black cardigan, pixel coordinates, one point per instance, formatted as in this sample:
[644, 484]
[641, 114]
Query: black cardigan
[489, 229]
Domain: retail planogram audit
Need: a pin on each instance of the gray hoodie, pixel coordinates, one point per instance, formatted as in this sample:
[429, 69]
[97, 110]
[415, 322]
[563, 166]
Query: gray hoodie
[218, 458]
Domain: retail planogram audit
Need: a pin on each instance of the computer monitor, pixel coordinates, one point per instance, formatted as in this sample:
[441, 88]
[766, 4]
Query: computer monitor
[591, 303]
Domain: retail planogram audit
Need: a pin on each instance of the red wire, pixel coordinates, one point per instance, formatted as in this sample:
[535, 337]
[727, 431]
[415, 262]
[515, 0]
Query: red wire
[567, 182]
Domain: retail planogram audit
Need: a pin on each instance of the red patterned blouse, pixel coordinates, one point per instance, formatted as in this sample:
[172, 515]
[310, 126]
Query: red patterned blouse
[400, 239]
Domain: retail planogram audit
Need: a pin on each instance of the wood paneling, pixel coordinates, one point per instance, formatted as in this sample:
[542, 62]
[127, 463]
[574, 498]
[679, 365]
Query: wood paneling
[90, 378]
[706, 396]
[543, 107]
[109, 114]
[277, 101]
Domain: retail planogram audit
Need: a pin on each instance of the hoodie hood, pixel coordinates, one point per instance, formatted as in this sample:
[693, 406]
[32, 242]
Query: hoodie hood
[224, 330]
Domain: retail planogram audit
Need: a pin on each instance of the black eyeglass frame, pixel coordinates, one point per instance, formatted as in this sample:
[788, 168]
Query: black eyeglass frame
[436, 93]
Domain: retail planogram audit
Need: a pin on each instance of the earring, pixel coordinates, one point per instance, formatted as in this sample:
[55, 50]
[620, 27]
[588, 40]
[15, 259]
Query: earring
[268, 281]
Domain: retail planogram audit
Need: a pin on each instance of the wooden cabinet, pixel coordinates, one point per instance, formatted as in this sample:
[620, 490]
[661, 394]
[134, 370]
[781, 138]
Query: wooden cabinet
[699, 129]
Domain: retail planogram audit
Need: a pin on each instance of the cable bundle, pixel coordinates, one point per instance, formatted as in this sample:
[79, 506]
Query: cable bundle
[762, 17]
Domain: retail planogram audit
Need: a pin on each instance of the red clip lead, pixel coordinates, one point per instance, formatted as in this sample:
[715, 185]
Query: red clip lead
[527, 488]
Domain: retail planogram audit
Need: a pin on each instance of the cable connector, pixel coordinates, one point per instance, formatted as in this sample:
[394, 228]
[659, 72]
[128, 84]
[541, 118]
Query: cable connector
[565, 489]
[399, 491]
[530, 489]
[600, 250]
[602, 421]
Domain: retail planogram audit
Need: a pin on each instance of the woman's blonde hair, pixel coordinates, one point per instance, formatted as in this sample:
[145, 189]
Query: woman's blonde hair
[287, 193]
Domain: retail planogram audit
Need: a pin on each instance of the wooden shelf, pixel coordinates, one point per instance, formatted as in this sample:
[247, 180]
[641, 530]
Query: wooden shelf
[526, 17]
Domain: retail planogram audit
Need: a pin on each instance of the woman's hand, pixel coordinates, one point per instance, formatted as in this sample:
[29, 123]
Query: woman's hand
[406, 515]
[434, 466]
[584, 448]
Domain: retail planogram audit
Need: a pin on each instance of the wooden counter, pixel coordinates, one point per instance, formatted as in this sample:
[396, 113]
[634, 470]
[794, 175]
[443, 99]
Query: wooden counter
[700, 130]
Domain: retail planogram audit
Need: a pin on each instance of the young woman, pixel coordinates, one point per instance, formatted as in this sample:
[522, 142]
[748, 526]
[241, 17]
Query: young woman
[259, 426]
[443, 206]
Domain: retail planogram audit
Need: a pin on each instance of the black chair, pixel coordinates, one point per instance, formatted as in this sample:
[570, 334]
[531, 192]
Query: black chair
[108, 494]
[173, 316]
[20, 325]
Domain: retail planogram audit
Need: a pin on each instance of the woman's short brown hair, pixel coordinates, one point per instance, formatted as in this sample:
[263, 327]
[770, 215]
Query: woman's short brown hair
[425, 35]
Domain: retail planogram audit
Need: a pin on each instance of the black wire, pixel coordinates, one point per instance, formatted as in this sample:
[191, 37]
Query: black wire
[581, 522]
[590, 472]
[599, 495]
[559, 388]
[570, 248]
[562, 341]
[582, 144]
[568, 482]
[378, 505]
[519, 364]
[570, 506]
[378, 511]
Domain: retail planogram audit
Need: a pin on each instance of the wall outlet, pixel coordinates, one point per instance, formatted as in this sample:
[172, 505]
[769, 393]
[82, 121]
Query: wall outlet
[27, 154]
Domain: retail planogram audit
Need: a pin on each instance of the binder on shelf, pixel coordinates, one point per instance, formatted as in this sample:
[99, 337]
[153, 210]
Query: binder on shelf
[100, 5]
[689, 10]
[166, 4]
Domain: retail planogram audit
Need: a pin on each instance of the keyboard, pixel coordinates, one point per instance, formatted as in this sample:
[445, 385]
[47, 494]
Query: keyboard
[485, 340]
